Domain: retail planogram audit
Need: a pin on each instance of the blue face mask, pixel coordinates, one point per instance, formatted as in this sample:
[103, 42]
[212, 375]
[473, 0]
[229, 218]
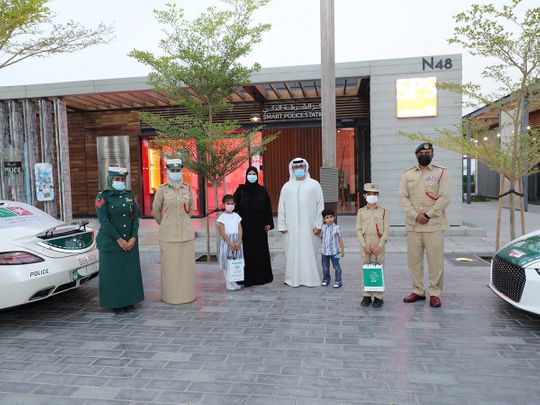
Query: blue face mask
[119, 185]
[299, 173]
[252, 178]
[175, 176]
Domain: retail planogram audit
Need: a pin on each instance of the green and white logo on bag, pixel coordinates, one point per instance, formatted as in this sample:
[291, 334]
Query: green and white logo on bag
[373, 277]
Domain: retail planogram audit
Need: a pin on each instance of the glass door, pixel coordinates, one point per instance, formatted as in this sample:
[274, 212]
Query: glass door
[347, 170]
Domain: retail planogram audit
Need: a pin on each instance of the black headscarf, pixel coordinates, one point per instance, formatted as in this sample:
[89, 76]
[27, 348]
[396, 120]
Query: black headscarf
[252, 188]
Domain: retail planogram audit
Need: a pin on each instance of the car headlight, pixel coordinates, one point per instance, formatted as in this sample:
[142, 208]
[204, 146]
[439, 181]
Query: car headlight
[17, 258]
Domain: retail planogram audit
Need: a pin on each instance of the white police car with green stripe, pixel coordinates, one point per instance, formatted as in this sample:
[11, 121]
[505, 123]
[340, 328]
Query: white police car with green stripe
[41, 256]
[515, 272]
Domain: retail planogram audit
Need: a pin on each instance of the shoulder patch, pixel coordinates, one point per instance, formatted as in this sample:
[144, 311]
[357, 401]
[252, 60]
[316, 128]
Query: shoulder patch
[100, 201]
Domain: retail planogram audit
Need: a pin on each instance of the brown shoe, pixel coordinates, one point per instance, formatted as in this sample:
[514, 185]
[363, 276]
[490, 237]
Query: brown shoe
[434, 302]
[413, 297]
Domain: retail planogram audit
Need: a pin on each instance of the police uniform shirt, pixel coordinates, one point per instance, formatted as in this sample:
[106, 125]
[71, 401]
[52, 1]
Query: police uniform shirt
[427, 191]
[172, 209]
[372, 226]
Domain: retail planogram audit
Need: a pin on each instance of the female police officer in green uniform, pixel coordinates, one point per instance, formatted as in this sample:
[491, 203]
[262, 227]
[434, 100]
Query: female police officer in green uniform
[120, 280]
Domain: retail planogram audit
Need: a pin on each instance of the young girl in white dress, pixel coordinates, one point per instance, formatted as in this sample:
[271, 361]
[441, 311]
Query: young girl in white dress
[230, 230]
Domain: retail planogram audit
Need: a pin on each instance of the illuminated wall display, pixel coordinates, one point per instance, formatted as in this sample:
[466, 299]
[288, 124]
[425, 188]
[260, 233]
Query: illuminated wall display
[416, 97]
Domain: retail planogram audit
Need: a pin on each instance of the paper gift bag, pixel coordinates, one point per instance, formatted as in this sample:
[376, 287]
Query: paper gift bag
[235, 270]
[373, 277]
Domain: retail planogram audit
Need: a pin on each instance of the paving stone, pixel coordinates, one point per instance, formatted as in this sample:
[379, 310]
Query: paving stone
[137, 394]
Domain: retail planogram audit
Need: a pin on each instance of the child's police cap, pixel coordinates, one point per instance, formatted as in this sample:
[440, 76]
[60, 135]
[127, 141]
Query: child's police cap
[373, 187]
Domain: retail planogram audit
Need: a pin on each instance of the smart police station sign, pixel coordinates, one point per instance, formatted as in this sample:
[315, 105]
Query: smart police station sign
[292, 111]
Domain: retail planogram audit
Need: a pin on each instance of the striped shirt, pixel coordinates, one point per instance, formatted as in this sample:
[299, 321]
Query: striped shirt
[330, 239]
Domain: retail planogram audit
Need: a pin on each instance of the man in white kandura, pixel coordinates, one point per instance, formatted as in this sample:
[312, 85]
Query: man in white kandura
[299, 220]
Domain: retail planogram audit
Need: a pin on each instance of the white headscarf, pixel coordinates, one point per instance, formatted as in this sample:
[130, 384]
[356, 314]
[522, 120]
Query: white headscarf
[297, 161]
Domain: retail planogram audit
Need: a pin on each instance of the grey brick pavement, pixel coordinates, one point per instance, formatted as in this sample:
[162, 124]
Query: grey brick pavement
[274, 345]
[279, 345]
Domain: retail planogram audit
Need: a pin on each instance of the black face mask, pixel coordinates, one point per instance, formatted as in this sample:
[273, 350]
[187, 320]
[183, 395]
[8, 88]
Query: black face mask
[423, 160]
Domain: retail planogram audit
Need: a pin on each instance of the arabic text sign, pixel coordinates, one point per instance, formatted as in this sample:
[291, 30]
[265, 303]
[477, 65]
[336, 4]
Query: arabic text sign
[292, 111]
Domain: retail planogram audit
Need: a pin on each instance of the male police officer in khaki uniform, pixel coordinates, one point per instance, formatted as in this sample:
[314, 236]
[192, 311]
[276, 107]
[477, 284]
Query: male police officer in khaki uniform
[424, 195]
[372, 230]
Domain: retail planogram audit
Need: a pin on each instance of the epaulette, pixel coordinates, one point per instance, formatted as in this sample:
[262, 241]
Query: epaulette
[163, 185]
[410, 168]
[438, 166]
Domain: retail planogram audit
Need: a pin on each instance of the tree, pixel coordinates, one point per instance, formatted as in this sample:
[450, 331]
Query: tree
[200, 68]
[27, 30]
[513, 41]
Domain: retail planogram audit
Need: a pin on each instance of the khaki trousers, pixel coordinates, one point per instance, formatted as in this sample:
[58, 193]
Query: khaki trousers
[433, 244]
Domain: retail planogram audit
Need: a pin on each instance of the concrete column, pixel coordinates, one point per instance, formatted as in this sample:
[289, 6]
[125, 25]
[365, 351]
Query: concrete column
[329, 173]
[62, 160]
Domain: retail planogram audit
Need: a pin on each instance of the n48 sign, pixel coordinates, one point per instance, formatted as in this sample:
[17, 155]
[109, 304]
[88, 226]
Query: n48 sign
[433, 64]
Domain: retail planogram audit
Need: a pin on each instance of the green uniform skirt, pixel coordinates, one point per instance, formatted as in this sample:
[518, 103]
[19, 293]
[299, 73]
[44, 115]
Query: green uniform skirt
[120, 279]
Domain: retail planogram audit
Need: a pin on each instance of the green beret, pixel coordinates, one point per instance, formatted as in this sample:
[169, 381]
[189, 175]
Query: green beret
[117, 171]
[423, 146]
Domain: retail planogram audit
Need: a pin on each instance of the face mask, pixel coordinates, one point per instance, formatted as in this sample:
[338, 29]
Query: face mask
[119, 185]
[252, 178]
[298, 173]
[229, 207]
[372, 199]
[175, 176]
[424, 160]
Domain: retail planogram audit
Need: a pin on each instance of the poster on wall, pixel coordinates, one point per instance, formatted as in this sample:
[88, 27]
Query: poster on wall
[112, 151]
[44, 181]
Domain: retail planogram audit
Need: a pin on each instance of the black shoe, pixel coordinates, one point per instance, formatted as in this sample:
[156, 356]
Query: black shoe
[366, 302]
[129, 308]
[119, 310]
[377, 303]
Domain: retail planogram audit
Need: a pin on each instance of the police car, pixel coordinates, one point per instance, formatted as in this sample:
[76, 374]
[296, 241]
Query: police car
[41, 256]
[515, 272]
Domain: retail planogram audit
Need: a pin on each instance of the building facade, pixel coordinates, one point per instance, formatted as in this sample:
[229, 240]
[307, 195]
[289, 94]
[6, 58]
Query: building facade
[79, 128]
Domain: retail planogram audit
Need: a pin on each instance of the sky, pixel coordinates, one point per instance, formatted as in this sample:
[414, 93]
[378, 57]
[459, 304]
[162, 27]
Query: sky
[364, 30]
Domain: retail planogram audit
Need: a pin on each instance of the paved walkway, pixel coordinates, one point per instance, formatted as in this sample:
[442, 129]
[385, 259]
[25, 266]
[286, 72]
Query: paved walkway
[277, 345]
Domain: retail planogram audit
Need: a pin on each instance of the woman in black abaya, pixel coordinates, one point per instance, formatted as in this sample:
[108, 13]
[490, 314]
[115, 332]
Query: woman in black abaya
[253, 205]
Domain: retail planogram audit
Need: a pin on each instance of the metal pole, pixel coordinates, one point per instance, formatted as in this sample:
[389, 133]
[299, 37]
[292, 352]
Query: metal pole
[469, 198]
[329, 173]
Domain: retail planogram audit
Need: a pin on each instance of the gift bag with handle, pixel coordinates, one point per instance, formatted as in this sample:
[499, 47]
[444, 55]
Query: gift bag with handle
[235, 267]
[373, 277]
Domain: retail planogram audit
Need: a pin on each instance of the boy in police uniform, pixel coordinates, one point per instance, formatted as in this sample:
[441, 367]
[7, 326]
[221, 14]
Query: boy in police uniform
[372, 229]
[425, 192]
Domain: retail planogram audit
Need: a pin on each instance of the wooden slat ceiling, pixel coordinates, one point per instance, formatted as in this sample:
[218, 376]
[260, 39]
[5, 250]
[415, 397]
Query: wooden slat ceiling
[257, 92]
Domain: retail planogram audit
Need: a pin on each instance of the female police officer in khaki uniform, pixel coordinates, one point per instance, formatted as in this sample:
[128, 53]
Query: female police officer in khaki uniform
[172, 209]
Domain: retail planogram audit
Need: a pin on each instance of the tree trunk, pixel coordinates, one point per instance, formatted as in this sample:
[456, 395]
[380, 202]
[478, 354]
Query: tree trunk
[208, 254]
[499, 208]
[512, 211]
[522, 206]
[215, 185]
